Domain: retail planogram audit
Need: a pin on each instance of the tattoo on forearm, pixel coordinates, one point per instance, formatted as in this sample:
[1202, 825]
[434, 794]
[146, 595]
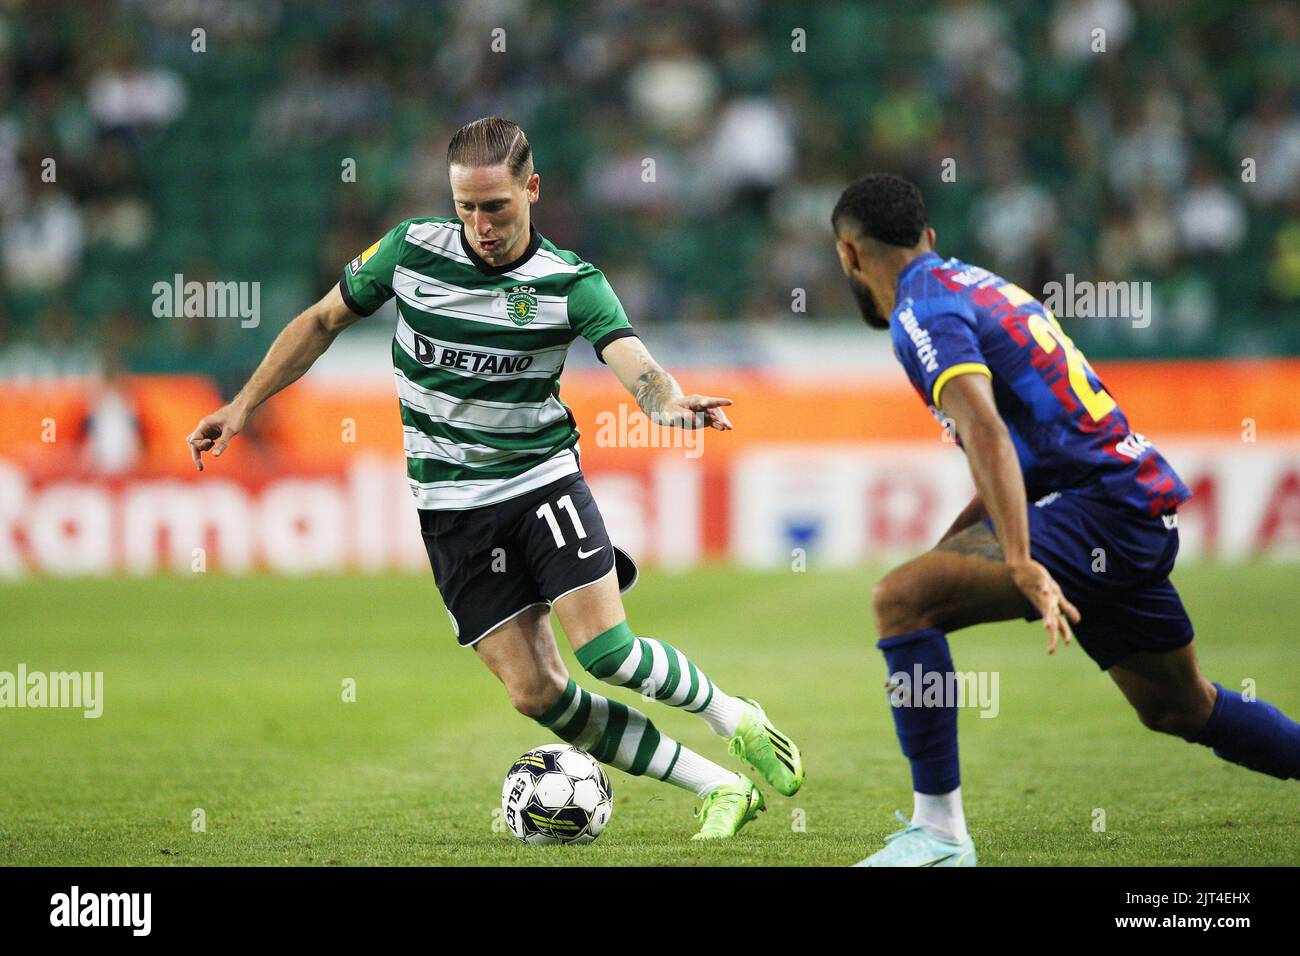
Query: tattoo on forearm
[655, 388]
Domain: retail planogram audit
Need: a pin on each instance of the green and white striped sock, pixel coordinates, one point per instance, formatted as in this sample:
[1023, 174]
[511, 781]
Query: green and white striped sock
[661, 671]
[625, 738]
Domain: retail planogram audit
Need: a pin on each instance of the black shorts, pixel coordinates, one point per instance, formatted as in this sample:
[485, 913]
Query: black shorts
[493, 563]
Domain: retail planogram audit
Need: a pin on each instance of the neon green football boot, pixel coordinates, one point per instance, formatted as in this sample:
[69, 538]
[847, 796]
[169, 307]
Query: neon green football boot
[767, 750]
[728, 808]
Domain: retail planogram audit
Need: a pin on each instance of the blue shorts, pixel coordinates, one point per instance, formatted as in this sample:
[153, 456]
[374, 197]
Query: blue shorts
[1113, 564]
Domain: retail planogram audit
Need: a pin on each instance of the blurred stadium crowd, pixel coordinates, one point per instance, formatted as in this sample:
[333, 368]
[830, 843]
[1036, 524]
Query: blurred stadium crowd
[227, 163]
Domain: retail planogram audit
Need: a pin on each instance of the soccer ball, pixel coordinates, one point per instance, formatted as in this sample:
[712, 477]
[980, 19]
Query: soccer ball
[556, 793]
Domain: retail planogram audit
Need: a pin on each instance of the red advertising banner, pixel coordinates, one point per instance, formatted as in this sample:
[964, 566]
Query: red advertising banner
[96, 479]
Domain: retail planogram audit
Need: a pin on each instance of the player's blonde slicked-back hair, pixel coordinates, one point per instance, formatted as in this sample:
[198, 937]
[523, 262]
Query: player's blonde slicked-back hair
[491, 141]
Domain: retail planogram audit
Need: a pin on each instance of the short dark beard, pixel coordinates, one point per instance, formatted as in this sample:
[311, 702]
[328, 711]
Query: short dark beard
[871, 313]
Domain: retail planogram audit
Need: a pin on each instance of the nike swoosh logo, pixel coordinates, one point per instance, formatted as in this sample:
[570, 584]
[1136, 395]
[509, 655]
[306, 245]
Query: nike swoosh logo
[419, 291]
[587, 554]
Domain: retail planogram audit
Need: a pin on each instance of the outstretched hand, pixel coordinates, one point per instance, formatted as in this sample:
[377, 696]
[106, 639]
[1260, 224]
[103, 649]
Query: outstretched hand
[214, 433]
[1036, 584]
[696, 411]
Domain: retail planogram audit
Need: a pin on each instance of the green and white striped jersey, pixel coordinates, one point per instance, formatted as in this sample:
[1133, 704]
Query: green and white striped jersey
[477, 356]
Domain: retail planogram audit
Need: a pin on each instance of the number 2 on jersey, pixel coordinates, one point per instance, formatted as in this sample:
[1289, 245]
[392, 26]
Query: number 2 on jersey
[1047, 332]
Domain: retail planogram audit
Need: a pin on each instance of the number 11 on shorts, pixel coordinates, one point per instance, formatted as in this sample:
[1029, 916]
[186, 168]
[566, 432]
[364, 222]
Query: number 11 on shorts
[566, 504]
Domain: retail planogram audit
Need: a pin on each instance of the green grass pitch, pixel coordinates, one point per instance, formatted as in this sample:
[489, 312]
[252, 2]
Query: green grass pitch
[226, 695]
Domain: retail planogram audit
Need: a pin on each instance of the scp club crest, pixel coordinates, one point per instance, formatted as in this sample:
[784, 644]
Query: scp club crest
[521, 305]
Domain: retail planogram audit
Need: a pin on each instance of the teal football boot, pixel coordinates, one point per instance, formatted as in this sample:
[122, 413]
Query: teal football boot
[912, 846]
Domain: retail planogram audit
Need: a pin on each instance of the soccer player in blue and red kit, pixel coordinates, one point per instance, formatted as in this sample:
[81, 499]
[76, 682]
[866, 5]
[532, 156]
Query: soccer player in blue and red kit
[1060, 480]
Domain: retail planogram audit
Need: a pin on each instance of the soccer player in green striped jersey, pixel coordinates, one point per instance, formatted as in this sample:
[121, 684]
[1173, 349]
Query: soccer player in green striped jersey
[486, 312]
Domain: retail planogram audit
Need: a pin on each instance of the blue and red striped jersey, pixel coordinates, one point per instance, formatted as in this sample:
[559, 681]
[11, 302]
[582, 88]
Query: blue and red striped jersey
[953, 318]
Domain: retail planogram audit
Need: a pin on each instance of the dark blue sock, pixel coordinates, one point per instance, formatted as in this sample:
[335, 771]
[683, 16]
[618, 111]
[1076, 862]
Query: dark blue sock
[1252, 733]
[928, 734]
